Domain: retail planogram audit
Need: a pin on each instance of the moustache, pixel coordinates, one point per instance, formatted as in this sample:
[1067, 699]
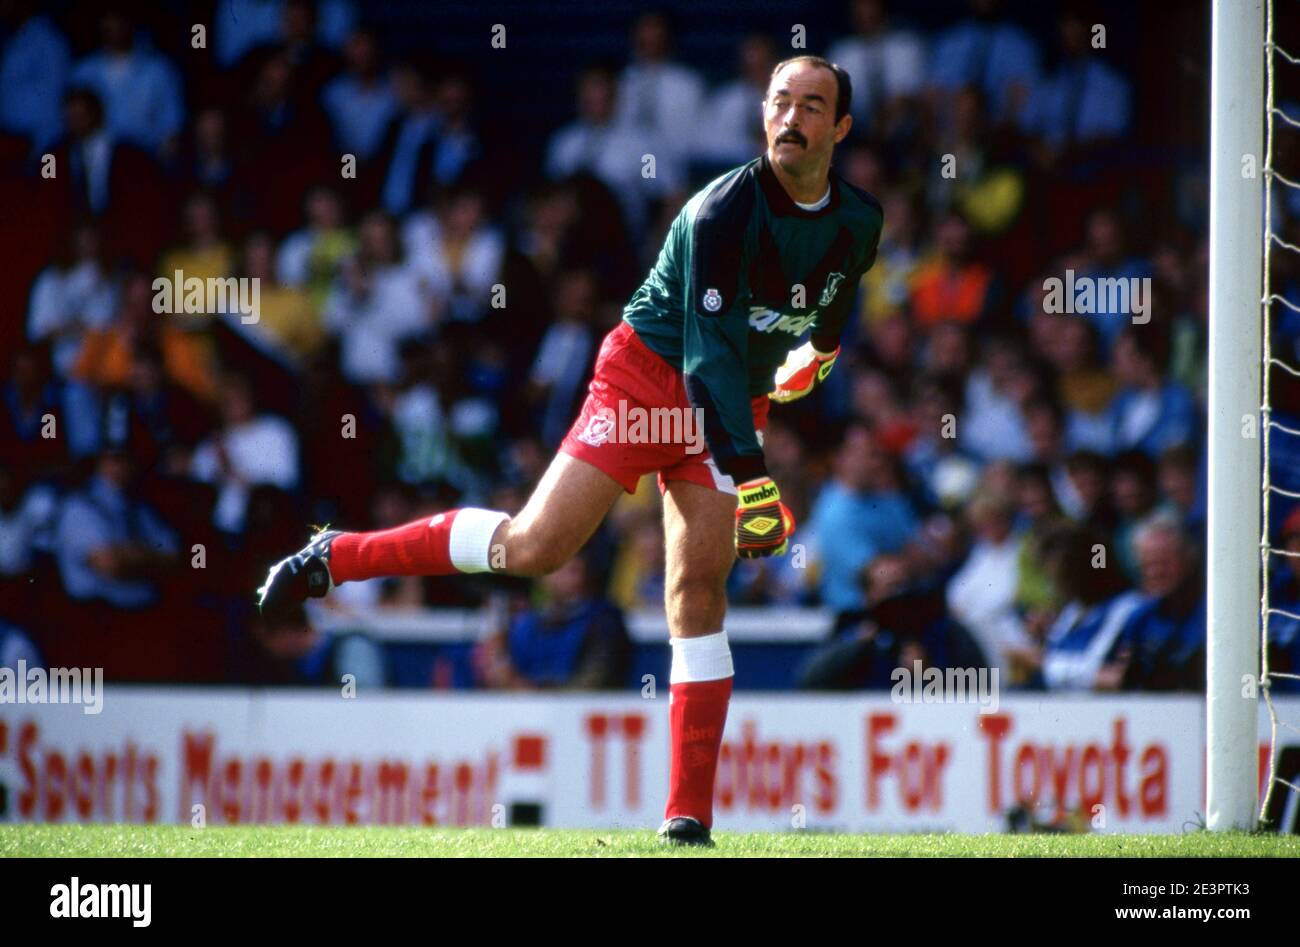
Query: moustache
[794, 137]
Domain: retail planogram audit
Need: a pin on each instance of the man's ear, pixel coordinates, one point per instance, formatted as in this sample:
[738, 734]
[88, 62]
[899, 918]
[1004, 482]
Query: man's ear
[842, 127]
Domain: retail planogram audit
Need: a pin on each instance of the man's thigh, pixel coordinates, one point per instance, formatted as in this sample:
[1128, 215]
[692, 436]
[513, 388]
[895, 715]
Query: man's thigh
[563, 512]
[699, 533]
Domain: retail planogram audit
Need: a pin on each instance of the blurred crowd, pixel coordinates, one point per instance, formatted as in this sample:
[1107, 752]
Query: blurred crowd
[980, 482]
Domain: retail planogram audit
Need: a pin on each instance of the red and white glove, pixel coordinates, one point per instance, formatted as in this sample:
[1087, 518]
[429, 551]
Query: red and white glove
[803, 369]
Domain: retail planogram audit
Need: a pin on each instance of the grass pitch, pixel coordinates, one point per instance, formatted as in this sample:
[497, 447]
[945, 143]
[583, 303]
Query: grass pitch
[309, 841]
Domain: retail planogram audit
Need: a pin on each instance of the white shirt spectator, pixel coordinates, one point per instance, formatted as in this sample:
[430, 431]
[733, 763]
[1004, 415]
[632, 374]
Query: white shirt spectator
[982, 597]
[615, 155]
[881, 67]
[478, 271]
[263, 450]
[731, 124]
[992, 426]
[372, 326]
[663, 99]
[64, 304]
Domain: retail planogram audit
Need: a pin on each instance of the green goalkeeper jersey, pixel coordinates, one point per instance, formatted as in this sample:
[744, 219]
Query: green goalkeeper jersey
[744, 275]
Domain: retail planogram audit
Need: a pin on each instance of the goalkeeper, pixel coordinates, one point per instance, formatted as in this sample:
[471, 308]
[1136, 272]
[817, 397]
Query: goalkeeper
[764, 256]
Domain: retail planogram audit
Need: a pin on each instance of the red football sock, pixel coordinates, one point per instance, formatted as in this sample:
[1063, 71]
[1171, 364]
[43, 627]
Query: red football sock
[698, 715]
[427, 546]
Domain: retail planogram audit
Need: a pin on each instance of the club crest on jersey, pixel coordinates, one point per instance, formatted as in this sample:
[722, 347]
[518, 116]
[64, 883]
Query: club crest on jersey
[712, 300]
[832, 284]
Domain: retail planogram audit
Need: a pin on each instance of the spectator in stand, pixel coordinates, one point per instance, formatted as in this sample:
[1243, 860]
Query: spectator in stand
[885, 63]
[34, 63]
[32, 408]
[139, 87]
[107, 355]
[312, 258]
[1089, 475]
[1085, 386]
[951, 284]
[248, 449]
[1095, 605]
[1105, 255]
[859, 514]
[982, 593]
[656, 95]
[75, 293]
[459, 145]
[152, 416]
[1182, 488]
[598, 145]
[208, 163]
[26, 519]
[637, 575]
[286, 141]
[887, 286]
[1038, 515]
[992, 426]
[731, 124]
[946, 473]
[288, 318]
[990, 52]
[376, 304]
[405, 155]
[564, 358]
[576, 641]
[457, 253]
[303, 41]
[360, 102]
[111, 181]
[274, 21]
[205, 253]
[1162, 645]
[1150, 413]
[1133, 492]
[112, 546]
[1085, 102]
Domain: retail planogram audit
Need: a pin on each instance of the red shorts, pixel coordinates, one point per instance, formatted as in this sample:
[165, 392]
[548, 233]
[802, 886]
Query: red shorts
[624, 430]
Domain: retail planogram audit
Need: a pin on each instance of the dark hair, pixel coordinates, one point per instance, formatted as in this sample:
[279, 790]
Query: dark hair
[843, 86]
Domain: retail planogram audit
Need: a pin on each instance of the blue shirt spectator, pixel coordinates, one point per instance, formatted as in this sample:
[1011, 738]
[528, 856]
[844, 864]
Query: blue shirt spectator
[108, 540]
[857, 516]
[998, 57]
[362, 102]
[1149, 413]
[578, 640]
[1081, 637]
[140, 89]
[33, 69]
[1084, 101]
[1162, 645]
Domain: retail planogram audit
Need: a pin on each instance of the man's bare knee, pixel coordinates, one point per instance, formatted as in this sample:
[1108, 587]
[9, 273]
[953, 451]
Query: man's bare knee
[697, 603]
[527, 552]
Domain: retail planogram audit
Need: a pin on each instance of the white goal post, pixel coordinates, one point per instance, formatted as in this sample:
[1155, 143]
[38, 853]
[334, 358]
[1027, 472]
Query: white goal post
[1237, 188]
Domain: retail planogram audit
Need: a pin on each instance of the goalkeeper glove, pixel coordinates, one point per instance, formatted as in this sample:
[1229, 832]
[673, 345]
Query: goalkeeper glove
[803, 368]
[763, 523]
